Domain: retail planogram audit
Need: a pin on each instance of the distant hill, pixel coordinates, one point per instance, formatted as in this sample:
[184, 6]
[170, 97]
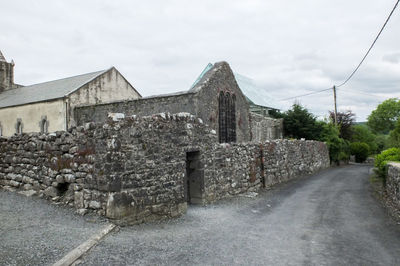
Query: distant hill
[360, 123]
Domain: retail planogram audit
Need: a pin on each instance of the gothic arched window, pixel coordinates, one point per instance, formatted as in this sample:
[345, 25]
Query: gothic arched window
[44, 125]
[226, 117]
[19, 126]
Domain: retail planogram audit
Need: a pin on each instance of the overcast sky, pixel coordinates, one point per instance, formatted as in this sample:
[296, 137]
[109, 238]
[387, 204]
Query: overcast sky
[287, 47]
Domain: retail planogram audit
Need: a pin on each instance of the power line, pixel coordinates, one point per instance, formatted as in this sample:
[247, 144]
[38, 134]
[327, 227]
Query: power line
[302, 95]
[358, 66]
[370, 48]
[360, 92]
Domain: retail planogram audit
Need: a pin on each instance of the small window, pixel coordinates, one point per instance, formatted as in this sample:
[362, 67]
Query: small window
[44, 125]
[1, 130]
[19, 127]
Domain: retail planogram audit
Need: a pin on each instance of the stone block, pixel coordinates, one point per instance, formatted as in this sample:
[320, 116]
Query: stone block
[60, 179]
[28, 193]
[78, 200]
[94, 204]
[69, 178]
[51, 192]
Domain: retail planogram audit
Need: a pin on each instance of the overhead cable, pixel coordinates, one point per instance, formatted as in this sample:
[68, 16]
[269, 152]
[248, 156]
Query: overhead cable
[370, 48]
[302, 95]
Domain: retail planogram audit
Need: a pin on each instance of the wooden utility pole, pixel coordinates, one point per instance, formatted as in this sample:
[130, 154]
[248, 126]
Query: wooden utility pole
[334, 99]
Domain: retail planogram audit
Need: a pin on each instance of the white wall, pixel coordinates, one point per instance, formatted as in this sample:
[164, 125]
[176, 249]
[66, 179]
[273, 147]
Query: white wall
[109, 87]
[31, 115]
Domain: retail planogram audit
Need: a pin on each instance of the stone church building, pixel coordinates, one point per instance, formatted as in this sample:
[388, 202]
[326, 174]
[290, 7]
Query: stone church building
[58, 105]
[48, 107]
[215, 98]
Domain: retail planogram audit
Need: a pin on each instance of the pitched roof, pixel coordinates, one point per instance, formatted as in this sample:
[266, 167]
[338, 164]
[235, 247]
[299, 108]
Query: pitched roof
[205, 70]
[253, 93]
[256, 94]
[46, 91]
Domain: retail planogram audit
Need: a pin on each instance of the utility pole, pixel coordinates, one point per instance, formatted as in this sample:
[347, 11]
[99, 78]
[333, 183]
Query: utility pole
[334, 99]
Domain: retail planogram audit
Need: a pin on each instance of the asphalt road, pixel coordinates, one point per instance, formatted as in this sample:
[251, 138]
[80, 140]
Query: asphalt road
[328, 219]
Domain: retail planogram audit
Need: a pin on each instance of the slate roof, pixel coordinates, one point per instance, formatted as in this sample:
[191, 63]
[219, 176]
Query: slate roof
[46, 91]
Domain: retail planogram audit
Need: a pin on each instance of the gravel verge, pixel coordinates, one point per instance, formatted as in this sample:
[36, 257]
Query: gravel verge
[34, 231]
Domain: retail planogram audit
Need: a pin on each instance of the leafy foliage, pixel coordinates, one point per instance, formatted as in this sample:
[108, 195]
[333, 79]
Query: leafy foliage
[345, 121]
[381, 160]
[338, 147]
[382, 142]
[300, 123]
[360, 150]
[362, 133]
[276, 114]
[394, 136]
[384, 117]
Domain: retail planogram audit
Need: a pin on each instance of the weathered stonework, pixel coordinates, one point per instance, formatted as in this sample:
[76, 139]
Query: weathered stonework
[138, 169]
[393, 182]
[265, 128]
[202, 101]
[288, 159]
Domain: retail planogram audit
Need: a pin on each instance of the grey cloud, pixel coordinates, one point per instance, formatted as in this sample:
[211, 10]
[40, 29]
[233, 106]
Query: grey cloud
[392, 58]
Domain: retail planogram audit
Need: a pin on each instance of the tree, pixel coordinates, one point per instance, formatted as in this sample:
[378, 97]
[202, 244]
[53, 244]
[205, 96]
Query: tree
[394, 136]
[345, 121]
[360, 150]
[382, 142]
[362, 133]
[338, 148]
[384, 117]
[300, 123]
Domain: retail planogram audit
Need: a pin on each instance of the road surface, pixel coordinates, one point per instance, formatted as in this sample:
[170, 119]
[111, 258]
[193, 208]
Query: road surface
[330, 218]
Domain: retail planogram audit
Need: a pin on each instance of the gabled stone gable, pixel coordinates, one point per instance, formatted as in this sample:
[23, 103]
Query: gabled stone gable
[201, 100]
[219, 79]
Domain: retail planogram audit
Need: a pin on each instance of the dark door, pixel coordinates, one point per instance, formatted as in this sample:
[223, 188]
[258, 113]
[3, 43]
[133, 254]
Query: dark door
[195, 178]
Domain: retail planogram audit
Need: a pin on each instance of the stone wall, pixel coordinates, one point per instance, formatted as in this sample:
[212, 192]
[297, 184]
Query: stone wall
[231, 170]
[393, 182]
[202, 101]
[148, 168]
[140, 107]
[265, 128]
[288, 159]
[131, 169]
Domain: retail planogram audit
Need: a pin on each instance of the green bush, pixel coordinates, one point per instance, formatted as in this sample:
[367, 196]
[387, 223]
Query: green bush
[361, 133]
[382, 142]
[338, 147]
[360, 150]
[343, 156]
[382, 159]
[394, 136]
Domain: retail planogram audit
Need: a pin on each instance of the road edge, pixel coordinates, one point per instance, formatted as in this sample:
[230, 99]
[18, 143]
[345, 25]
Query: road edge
[83, 248]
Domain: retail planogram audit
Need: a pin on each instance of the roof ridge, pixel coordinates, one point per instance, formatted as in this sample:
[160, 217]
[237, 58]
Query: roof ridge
[50, 90]
[100, 71]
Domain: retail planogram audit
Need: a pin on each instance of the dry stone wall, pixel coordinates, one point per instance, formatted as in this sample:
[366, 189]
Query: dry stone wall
[140, 169]
[265, 128]
[231, 170]
[288, 159]
[393, 182]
